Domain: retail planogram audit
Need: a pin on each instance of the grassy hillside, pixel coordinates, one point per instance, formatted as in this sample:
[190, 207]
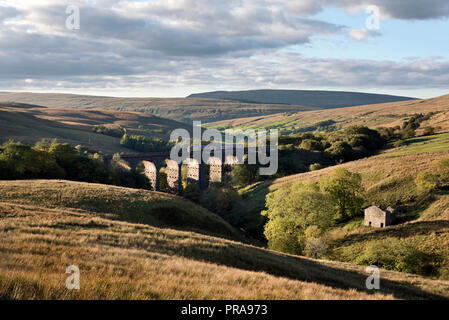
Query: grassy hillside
[121, 257]
[310, 98]
[387, 114]
[30, 123]
[179, 109]
[387, 179]
[433, 143]
[423, 220]
[139, 206]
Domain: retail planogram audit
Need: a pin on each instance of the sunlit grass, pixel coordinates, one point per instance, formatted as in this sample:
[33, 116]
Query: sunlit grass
[120, 259]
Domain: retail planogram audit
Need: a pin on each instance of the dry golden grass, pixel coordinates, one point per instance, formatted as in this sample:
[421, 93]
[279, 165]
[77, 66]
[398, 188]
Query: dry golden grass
[118, 203]
[126, 260]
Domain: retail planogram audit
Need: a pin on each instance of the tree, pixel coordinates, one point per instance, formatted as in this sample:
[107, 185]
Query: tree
[441, 169]
[340, 151]
[428, 131]
[315, 166]
[291, 211]
[346, 193]
[246, 173]
[192, 192]
[311, 145]
[221, 198]
[435, 178]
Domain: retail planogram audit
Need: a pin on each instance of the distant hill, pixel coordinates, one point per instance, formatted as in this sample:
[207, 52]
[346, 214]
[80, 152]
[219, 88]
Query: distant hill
[31, 123]
[179, 109]
[309, 98]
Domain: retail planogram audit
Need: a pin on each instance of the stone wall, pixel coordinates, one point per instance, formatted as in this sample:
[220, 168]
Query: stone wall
[378, 218]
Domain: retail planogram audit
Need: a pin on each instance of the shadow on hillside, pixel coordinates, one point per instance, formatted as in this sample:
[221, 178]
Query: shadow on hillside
[401, 231]
[297, 268]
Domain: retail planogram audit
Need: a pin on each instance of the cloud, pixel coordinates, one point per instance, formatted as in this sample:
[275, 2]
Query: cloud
[398, 9]
[362, 34]
[196, 43]
[8, 13]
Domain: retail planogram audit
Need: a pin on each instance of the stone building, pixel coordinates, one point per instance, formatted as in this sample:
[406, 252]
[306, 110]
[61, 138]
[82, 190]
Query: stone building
[378, 218]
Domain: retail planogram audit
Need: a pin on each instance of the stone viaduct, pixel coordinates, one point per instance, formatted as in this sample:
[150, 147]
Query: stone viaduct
[154, 161]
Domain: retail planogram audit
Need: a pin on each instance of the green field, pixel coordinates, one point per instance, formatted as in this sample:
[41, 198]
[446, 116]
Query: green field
[434, 143]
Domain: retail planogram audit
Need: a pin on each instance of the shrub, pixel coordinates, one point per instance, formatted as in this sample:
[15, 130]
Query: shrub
[441, 170]
[340, 151]
[428, 131]
[426, 182]
[246, 173]
[316, 248]
[311, 145]
[192, 192]
[315, 166]
[222, 199]
[394, 254]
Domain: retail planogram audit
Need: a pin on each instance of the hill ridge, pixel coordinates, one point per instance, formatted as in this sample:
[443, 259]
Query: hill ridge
[325, 99]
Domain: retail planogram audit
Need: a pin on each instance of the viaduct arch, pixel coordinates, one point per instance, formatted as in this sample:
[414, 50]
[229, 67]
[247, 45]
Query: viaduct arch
[154, 161]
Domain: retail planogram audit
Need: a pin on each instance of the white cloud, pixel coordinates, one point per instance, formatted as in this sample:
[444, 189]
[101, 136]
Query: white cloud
[362, 34]
[195, 43]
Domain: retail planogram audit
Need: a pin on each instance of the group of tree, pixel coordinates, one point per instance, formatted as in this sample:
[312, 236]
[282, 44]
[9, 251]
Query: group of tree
[113, 131]
[299, 215]
[408, 128]
[54, 160]
[145, 143]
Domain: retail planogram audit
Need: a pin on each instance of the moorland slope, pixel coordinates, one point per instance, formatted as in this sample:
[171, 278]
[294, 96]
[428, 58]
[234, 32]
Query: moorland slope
[123, 258]
[310, 98]
[31, 123]
[179, 109]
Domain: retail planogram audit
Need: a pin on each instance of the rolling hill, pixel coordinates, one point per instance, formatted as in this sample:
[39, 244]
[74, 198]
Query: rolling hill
[122, 254]
[386, 114]
[388, 179]
[310, 98]
[178, 109]
[31, 123]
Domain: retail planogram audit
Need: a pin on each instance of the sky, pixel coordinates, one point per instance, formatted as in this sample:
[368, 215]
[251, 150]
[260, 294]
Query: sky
[172, 48]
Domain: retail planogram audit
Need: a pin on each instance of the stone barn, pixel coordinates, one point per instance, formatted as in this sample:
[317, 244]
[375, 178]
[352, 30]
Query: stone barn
[378, 218]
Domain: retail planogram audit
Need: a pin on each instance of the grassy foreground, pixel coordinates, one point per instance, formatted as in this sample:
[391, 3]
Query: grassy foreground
[41, 234]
